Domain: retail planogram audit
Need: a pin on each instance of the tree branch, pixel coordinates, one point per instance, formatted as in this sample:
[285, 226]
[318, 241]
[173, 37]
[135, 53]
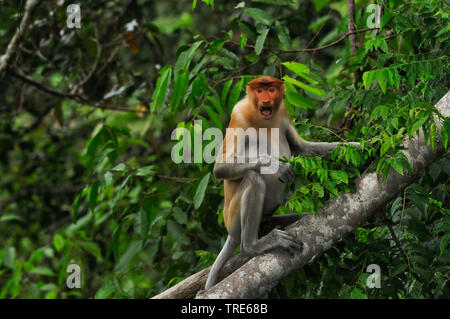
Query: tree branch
[351, 26]
[341, 38]
[23, 26]
[319, 231]
[76, 97]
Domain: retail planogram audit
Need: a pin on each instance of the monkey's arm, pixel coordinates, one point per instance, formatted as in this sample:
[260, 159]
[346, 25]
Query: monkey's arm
[234, 170]
[301, 147]
[231, 164]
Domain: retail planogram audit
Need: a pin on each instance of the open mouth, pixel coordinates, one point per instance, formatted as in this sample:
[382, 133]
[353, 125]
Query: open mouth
[266, 111]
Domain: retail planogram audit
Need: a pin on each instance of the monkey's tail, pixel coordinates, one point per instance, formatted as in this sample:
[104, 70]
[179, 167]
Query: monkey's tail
[225, 254]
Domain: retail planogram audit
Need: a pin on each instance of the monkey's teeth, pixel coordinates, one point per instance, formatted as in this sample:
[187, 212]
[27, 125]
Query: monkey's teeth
[266, 110]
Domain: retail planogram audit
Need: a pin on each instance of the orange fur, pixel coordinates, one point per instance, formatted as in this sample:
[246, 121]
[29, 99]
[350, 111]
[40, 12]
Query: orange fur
[246, 114]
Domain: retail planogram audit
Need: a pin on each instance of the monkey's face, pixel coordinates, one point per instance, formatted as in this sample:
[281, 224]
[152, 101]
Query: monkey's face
[267, 100]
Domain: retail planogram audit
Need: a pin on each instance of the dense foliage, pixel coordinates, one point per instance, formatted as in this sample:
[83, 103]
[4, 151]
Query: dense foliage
[86, 122]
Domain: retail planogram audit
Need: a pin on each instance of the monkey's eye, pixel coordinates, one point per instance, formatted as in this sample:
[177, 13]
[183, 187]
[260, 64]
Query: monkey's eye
[259, 90]
[272, 89]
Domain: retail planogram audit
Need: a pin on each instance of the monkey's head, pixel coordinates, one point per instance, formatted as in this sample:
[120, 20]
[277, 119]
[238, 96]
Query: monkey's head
[266, 94]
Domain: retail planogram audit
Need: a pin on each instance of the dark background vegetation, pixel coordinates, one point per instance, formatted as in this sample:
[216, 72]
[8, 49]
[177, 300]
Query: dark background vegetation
[86, 117]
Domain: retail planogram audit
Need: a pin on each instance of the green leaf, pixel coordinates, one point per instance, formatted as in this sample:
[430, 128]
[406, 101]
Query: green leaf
[7, 218]
[316, 187]
[368, 78]
[216, 45]
[200, 191]
[180, 89]
[358, 294]
[178, 233]
[225, 90]
[184, 59]
[384, 148]
[105, 291]
[120, 191]
[419, 123]
[125, 259]
[444, 243]
[331, 187]
[380, 109]
[160, 92]
[213, 116]
[92, 248]
[307, 78]
[384, 46]
[278, 2]
[282, 34]
[94, 142]
[317, 91]
[319, 4]
[235, 94]
[380, 75]
[386, 18]
[79, 223]
[260, 16]
[340, 176]
[43, 271]
[146, 170]
[180, 215]
[297, 68]
[445, 129]
[242, 40]
[397, 166]
[76, 205]
[411, 72]
[115, 242]
[299, 101]
[9, 257]
[259, 45]
[93, 194]
[319, 22]
[119, 167]
[58, 242]
[251, 57]
[144, 224]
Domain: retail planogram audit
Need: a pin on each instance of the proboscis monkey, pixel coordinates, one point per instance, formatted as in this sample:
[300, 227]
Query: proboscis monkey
[255, 182]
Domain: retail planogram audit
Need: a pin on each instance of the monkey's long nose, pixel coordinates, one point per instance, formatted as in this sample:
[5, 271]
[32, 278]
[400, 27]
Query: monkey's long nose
[265, 100]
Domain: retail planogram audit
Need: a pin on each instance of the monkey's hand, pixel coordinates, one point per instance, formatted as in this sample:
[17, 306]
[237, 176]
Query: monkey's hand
[285, 173]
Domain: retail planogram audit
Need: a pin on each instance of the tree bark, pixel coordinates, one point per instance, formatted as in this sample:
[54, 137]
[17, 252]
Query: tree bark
[351, 26]
[12, 46]
[319, 231]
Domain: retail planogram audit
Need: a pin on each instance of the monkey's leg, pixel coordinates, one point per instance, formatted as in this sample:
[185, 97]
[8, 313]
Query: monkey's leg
[225, 254]
[253, 189]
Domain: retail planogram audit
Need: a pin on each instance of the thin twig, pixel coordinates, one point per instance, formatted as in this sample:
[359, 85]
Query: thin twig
[351, 26]
[343, 37]
[79, 85]
[178, 179]
[19, 74]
